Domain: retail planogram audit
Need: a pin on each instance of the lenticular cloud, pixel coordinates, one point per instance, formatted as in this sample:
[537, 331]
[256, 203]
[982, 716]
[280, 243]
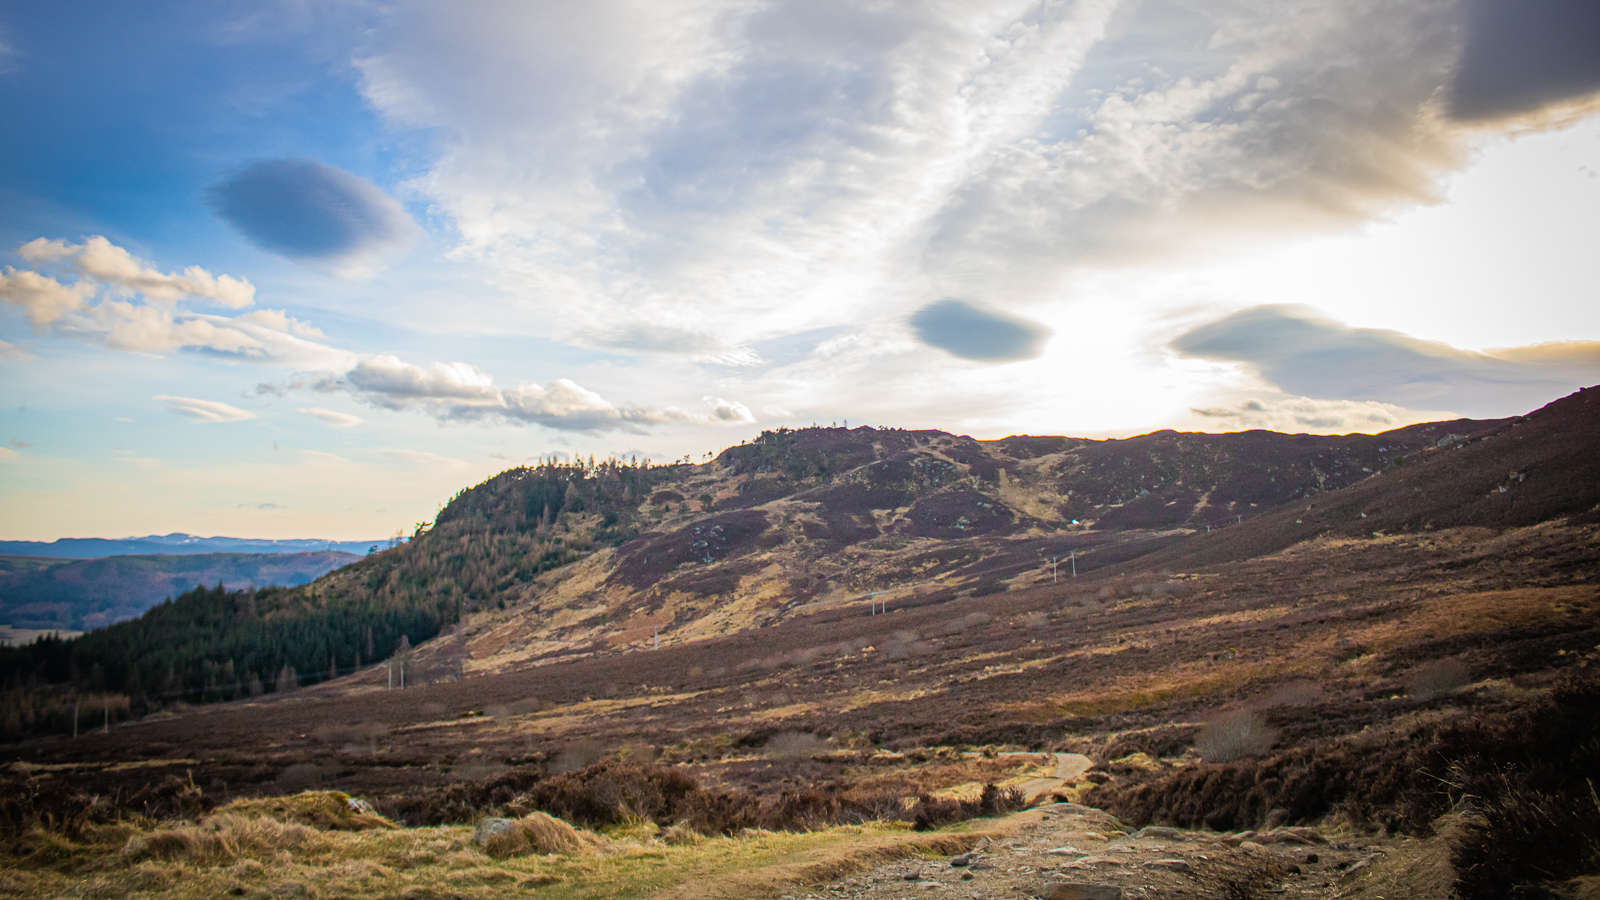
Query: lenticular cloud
[313, 213]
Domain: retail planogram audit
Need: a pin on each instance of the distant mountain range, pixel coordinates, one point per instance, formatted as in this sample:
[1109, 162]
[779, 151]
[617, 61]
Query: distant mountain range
[83, 594]
[176, 543]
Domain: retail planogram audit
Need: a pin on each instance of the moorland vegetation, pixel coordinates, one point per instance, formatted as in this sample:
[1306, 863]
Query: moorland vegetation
[1392, 636]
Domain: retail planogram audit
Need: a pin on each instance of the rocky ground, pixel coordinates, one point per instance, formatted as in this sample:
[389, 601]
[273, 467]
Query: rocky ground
[1066, 851]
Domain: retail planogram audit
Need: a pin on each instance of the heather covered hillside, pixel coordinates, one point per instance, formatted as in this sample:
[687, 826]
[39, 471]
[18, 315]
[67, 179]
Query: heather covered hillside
[556, 561]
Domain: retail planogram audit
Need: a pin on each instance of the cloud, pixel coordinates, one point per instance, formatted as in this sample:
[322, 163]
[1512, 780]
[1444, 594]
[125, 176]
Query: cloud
[719, 173]
[388, 382]
[43, 298]
[1521, 55]
[261, 506]
[155, 324]
[314, 213]
[204, 410]
[728, 410]
[333, 419]
[1305, 414]
[423, 458]
[9, 350]
[19, 443]
[1303, 353]
[972, 332]
[461, 392]
[655, 338]
[8, 453]
[102, 261]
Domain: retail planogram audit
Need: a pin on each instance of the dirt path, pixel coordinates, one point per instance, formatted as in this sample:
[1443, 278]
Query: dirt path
[1069, 767]
[1070, 852]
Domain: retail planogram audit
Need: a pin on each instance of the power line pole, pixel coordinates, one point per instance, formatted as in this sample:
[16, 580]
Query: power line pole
[1053, 569]
[658, 636]
[1074, 564]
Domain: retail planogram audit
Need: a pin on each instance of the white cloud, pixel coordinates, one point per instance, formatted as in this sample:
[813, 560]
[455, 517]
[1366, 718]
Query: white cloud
[389, 382]
[204, 410]
[1296, 415]
[43, 298]
[105, 262]
[9, 350]
[8, 453]
[424, 458]
[332, 418]
[728, 410]
[718, 173]
[121, 322]
[461, 392]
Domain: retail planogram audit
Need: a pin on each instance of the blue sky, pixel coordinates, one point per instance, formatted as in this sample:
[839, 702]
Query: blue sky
[282, 269]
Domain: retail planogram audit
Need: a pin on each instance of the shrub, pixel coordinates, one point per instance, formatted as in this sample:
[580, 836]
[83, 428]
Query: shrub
[1234, 735]
[1433, 679]
[929, 813]
[611, 793]
[577, 755]
[1522, 773]
[795, 745]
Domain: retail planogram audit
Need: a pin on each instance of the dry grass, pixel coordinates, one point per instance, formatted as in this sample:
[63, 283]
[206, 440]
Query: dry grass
[535, 833]
[260, 857]
[218, 839]
[325, 810]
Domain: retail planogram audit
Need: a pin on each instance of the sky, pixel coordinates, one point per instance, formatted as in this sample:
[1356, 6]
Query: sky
[290, 269]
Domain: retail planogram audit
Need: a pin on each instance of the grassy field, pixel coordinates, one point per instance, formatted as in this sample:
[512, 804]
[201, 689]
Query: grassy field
[271, 848]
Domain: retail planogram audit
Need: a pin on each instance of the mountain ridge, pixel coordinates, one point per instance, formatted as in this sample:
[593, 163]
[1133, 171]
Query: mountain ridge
[83, 594]
[177, 543]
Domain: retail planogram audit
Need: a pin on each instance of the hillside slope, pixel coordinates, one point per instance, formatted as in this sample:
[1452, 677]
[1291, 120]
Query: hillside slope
[1521, 471]
[796, 521]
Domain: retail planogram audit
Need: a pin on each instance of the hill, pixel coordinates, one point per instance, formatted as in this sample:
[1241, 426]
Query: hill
[79, 595]
[796, 521]
[175, 543]
[1425, 670]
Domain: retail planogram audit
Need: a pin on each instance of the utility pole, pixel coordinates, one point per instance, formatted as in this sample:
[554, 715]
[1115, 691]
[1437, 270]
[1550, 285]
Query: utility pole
[658, 636]
[1074, 564]
[877, 603]
[391, 674]
[74, 719]
[1053, 569]
[108, 717]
